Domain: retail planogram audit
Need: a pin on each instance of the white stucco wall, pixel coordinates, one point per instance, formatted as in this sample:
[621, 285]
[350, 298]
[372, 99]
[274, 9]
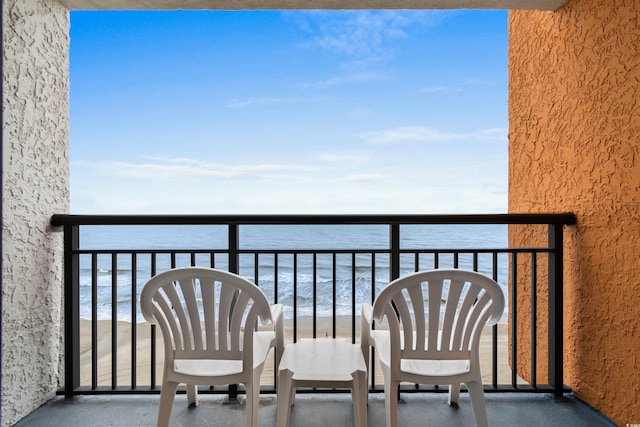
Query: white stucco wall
[36, 185]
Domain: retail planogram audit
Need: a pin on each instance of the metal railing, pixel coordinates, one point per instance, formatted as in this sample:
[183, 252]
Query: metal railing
[96, 277]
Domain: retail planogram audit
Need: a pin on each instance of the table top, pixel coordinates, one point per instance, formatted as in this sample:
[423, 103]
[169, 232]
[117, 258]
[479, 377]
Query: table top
[322, 359]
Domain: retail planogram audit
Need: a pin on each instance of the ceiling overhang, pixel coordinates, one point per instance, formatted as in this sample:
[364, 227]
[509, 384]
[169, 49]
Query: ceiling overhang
[548, 5]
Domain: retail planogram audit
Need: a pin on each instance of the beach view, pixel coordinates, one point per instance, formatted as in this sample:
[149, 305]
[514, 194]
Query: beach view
[324, 285]
[284, 112]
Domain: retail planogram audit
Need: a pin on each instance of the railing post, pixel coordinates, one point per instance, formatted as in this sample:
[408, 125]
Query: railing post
[234, 243]
[394, 263]
[234, 267]
[556, 320]
[71, 310]
[394, 249]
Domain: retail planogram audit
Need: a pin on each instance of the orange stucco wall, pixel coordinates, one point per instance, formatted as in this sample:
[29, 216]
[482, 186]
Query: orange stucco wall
[574, 145]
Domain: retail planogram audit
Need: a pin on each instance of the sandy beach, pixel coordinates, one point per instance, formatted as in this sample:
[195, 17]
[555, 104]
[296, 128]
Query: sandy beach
[304, 330]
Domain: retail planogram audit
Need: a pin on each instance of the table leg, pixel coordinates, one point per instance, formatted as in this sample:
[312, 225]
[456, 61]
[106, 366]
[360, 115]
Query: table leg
[359, 395]
[285, 391]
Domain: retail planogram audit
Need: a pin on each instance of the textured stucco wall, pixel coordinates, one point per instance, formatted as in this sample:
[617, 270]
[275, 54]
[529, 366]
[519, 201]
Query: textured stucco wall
[574, 145]
[36, 185]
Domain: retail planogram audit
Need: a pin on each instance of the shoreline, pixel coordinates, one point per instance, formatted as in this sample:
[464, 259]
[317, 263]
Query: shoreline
[324, 328]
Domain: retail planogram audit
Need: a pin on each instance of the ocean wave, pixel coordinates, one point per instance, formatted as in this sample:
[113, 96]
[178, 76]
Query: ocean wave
[349, 276]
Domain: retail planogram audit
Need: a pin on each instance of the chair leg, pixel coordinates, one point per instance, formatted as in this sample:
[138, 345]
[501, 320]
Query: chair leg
[285, 389]
[167, 396]
[292, 397]
[252, 401]
[366, 349]
[454, 394]
[476, 393]
[359, 396]
[391, 401]
[192, 395]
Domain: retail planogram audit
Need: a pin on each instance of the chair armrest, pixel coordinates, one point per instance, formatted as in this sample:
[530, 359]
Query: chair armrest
[277, 312]
[367, 314]
[366, 324]
[277, 316]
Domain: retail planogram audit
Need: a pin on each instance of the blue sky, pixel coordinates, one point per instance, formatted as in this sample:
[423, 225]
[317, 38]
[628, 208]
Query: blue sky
[289, 112]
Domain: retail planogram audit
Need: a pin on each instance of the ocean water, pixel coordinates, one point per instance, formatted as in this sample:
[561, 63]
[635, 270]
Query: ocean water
[352, 279]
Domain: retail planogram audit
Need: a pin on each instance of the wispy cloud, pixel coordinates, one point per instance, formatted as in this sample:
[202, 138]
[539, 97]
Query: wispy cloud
[343, 157]
[434, 89]
[363, 177]
[160, 167]
[428, 134]
[456, 87]
[250, 102]
[346, 79]
[359, 33]
[359, 112]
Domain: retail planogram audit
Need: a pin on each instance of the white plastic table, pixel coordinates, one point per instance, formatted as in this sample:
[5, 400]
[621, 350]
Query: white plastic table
[326, 363]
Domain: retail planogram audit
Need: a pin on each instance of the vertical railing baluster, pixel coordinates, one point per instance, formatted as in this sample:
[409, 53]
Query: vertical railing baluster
[256, 268]
[534, 318]
[295, 297]
[153, 381]
[373, 280]
[72, 309]
[353, 273]
[134, 318]
[334, 293]
[372, 365]
[514, 320]
[315, 295]
[494, 344]
[353, 307]
[114, 321]
[94, 321]
[275, 278]
[275, 301]
[556, 320]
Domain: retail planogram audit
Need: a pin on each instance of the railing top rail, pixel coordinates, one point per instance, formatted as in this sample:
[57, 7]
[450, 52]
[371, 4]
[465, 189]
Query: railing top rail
[355, 219]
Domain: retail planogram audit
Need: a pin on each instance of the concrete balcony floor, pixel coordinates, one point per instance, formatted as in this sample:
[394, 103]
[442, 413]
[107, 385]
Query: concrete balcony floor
[321, 410]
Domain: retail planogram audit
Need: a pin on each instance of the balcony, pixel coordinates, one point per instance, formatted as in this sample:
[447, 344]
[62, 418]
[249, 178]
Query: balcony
[317, 410]
[110, 353]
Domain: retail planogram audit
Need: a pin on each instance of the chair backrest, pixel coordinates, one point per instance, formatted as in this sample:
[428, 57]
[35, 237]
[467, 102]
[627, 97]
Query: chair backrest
[204, 313]
[438, 314]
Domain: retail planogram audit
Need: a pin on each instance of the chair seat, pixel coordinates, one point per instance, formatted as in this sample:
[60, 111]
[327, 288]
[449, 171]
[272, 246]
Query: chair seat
[207, 367]
[263, 341]
[424, 367]
[435, 368]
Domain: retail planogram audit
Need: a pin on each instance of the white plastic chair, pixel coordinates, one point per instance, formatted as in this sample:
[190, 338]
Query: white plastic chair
[209, 322]
[421, 346]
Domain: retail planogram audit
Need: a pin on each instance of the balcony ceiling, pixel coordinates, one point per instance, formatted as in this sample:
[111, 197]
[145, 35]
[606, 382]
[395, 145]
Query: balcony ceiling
[549, 5]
